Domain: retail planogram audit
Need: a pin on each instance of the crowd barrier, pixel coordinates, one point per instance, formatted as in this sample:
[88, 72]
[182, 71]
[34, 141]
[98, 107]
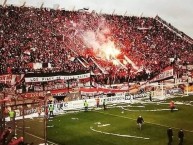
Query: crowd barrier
[79, 104]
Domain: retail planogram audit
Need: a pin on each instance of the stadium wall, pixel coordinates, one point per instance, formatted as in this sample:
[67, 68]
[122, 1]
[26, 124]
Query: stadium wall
[78, 104]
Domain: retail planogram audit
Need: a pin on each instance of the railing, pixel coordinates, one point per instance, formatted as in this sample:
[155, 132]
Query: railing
[175, 30]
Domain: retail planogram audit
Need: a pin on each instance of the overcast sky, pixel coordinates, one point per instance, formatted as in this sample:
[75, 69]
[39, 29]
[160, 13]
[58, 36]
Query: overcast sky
[177, 12]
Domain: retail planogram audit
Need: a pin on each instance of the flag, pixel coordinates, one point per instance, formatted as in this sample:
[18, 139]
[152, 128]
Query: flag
[39, 65]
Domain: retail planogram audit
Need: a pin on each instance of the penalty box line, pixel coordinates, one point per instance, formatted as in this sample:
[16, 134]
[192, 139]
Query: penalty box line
[145, 122]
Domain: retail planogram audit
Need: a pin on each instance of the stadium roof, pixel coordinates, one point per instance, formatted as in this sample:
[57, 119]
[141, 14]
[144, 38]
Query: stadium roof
[177, 12]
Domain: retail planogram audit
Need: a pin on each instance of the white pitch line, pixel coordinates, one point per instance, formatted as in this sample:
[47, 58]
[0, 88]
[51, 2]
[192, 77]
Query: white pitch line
[165, 103]
[38, 137]
[25, 127]
[120, 135]
[145, 122]
[154, 110]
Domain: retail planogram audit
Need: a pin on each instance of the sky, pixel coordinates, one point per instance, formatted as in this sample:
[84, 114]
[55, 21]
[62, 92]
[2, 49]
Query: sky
[177, 12]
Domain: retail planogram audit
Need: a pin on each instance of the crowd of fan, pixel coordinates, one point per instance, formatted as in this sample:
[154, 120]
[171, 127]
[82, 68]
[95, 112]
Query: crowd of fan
[7, 137]
[40, 35]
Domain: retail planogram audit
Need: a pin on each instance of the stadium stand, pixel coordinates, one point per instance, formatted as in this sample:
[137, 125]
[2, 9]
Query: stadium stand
[32, 35]
[42, 40]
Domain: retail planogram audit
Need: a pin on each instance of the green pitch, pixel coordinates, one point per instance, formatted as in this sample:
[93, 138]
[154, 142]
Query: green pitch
[117, 125]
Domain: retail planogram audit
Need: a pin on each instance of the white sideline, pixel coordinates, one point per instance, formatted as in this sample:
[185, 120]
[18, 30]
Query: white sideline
[154, 110]
[120, 135]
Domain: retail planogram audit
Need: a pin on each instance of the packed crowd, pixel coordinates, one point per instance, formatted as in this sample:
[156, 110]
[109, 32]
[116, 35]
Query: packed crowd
[70, 41]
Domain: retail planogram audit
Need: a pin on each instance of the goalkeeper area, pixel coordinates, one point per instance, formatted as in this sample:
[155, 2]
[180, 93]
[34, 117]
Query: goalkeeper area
[117, 124]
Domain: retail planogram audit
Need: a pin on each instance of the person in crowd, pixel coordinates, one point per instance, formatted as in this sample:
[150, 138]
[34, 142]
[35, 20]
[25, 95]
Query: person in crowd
[140, 121]
[85, 106]
[51, 110]
[97, 102]
[5, 134]
[12, 115]
[104, 104]
[170, 135]
[16, 141]
[39, 110]
[181, 136]
[172, 105]
[150, 96]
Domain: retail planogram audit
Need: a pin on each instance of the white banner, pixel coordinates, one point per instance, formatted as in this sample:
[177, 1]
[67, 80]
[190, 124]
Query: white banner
[167, 72]
[92, 102]
[37, 65]
[53, 78]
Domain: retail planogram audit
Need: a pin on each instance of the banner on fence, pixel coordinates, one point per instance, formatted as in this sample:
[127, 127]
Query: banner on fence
[53, 77]
[166, 73]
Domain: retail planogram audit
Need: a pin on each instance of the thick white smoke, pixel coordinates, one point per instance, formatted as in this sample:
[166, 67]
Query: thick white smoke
[99, 39]
[90, 40]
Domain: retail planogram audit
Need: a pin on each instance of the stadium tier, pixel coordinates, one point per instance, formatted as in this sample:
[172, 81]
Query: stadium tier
[45, 40]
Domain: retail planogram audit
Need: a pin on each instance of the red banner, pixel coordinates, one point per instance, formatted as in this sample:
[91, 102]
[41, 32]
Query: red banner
[10, 79]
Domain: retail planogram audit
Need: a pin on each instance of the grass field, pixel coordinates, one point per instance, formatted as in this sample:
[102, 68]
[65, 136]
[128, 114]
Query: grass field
[117, 125]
